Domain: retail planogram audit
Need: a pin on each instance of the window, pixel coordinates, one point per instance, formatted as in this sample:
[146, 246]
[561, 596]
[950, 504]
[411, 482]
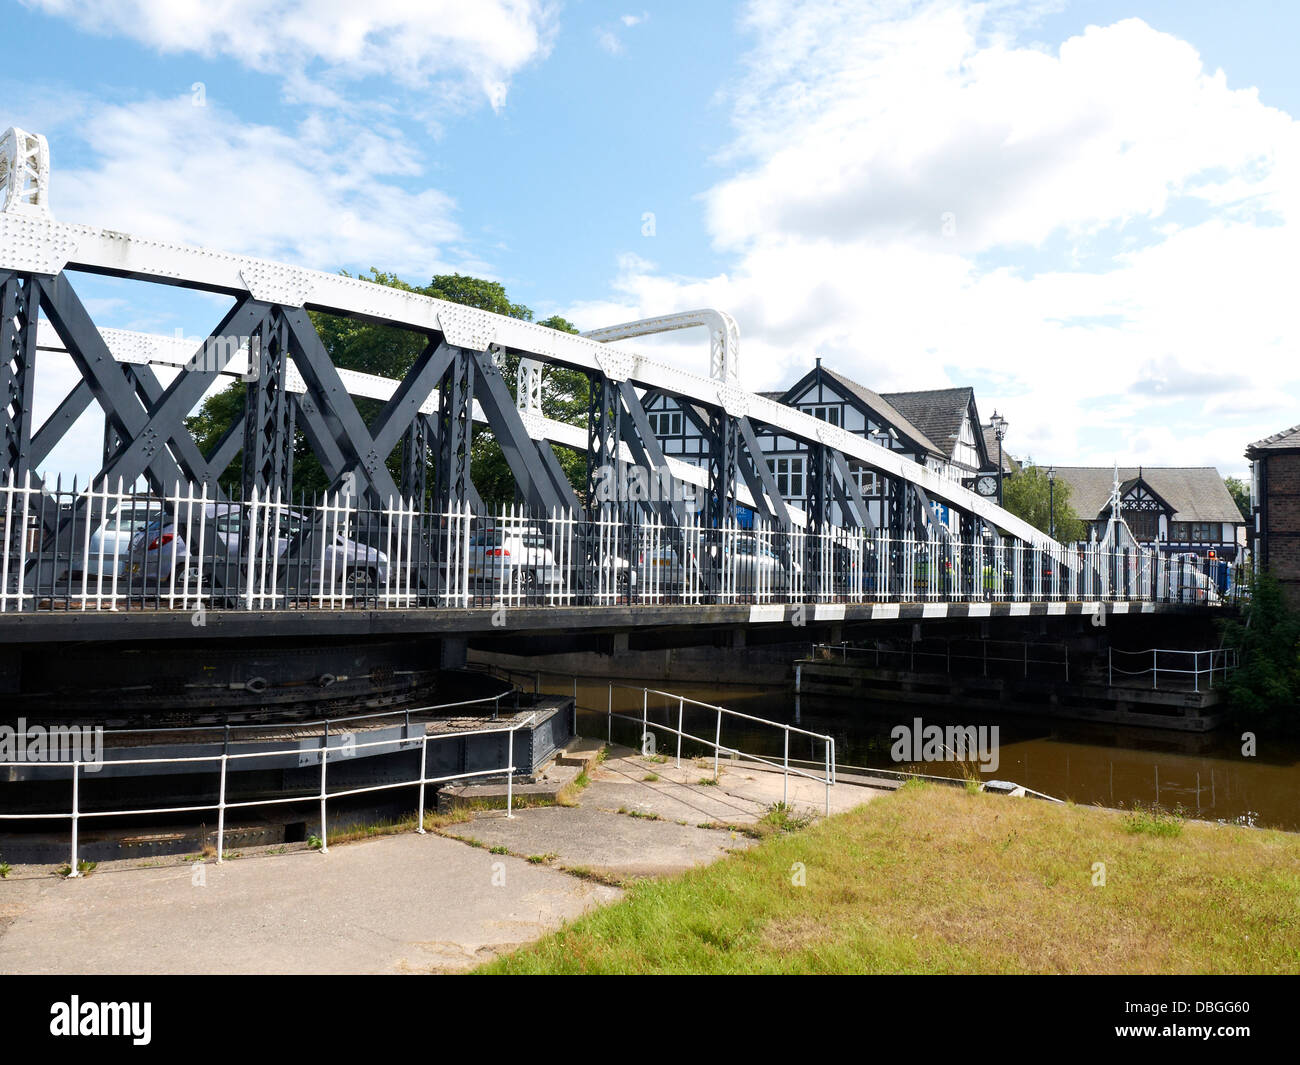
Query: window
[866, 480]
[1144, 524]
[1196, 532]
[665, 422]
[824, 414]
[230, 522]
[789, 476]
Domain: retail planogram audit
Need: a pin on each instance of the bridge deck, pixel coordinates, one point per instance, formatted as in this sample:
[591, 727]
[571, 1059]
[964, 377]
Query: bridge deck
[108, 626]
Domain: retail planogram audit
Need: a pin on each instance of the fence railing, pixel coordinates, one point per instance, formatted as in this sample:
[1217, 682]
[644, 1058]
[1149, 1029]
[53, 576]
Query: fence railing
[102, 548]
[1197, 668]
[220, 763]
[789, 767]
[1015, 654]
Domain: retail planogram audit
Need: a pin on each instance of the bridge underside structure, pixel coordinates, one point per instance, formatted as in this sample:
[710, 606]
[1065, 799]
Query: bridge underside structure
[402, 534]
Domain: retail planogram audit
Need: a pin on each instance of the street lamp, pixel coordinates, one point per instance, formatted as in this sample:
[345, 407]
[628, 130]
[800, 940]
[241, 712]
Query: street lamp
[1051, 501]
[999, 424]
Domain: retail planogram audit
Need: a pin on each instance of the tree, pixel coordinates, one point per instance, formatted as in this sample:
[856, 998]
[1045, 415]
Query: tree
[390, 351]
[1030, 497]
[1240, 495]
[1265, 688]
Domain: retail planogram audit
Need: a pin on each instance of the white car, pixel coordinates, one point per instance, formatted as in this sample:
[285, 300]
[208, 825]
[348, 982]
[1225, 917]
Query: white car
[515, 558]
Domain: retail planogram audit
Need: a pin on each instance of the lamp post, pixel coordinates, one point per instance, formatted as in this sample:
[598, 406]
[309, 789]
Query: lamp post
[999, 424]
[1051, 501]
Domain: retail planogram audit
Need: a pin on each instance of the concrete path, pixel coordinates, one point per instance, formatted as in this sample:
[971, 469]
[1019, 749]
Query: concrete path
[404, 903]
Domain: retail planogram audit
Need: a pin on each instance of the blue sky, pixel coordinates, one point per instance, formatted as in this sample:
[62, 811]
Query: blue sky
[1086, 210]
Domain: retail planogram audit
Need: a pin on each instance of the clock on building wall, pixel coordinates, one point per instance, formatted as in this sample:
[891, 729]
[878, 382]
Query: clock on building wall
[987, 485]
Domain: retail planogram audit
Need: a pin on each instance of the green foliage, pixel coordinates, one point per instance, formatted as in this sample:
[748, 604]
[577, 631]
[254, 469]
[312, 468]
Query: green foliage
[1029, 496]
[1154, 821]
[1265, 688]
[388, 351]
[1240, 493]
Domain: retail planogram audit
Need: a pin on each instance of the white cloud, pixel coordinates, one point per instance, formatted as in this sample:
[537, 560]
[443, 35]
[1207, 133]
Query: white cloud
[459, 49]
[1121, 226]
[323, 194]
[608, 37]
[609, 41]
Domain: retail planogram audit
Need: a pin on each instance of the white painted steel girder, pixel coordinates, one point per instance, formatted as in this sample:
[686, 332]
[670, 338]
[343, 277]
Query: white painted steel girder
[724, 337]
[24, 173]
[33, 243]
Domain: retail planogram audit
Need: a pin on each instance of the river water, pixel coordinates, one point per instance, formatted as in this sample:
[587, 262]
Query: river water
[1207, 775]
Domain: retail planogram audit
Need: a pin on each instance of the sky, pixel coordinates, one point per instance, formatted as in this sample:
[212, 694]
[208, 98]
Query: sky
[1088, 210]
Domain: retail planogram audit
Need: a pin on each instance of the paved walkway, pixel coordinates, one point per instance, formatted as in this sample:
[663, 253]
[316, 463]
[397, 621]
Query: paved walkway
[404, 903]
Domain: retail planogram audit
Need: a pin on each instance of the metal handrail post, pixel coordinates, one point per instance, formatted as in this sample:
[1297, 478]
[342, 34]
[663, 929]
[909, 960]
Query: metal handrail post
[424, 772]
[76, 815]
[221, 811]
[828, 780]
[717, 744]
[324, 770]
[785, 773]
[681, 711]
[510, 776]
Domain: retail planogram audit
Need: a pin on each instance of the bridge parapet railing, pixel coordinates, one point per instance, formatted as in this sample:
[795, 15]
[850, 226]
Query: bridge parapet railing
[116, 548]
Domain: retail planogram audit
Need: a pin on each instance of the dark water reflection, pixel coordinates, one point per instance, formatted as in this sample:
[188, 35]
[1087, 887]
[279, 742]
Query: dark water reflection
[1207, 775]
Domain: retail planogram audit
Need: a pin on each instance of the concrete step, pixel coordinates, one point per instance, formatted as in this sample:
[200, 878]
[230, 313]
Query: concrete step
[583, 753]
[544, 790]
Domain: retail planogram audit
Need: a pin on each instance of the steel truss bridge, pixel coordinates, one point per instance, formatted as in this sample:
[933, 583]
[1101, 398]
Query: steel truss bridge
[422, 540]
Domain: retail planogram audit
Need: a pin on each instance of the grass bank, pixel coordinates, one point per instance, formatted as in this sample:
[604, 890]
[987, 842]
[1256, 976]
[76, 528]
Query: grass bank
[934, 879]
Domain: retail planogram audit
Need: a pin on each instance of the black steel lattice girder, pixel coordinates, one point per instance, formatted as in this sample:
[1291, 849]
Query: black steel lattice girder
[18, 308]
[534, 480]
[339, 415]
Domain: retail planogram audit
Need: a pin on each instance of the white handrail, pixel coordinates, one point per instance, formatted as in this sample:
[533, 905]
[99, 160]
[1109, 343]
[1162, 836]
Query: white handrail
[828, 776]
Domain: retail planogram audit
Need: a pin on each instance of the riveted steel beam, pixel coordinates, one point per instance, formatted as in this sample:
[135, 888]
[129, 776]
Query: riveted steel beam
[18, 306]
[452, 482]
[850, 496]
[532, 477]
[602, 442]
[649, 455]
[337, 410]
[269, 423]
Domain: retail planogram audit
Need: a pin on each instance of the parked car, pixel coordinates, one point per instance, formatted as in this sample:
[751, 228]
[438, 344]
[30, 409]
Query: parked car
[342, 565]
[109, 545]
[512, 558]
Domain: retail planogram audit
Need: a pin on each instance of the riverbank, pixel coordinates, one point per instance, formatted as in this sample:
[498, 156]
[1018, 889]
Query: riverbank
[933, 879]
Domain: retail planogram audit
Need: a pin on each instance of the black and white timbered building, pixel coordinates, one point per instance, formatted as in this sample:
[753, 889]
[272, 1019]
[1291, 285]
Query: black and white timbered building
[939, 429]
[1178, 509]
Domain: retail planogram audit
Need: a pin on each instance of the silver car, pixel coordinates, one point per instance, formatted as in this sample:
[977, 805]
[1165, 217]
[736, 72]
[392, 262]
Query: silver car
[160, 548]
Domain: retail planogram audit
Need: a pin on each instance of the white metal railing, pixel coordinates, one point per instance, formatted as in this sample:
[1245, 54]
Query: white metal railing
[786, 765]
[221, 763]
[1154, 662]
[111, 548]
